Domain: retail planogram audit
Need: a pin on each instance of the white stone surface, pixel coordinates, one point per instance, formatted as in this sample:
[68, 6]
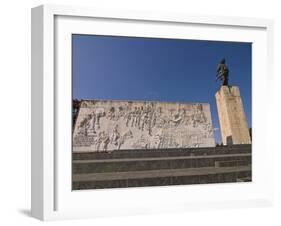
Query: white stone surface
[233, 123]
[112, 125]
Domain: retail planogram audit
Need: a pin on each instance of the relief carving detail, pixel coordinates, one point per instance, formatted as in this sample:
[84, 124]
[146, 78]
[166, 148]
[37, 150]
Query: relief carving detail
[114, 125]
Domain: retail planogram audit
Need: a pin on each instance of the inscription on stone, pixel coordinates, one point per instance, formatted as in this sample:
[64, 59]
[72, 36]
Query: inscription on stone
[114, 125]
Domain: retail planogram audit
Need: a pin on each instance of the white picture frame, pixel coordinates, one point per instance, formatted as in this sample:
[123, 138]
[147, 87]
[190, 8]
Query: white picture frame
[52, 197]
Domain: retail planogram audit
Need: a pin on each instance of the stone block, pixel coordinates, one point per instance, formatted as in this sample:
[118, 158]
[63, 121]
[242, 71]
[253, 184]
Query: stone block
[233, 123]
[105, 125]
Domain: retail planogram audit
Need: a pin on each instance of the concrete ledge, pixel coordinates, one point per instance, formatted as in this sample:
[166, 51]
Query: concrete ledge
[234, 149]
[137, 164]
[160, 178]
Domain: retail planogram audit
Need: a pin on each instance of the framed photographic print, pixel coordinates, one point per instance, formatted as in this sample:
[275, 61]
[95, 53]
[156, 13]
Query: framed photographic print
[137, 112]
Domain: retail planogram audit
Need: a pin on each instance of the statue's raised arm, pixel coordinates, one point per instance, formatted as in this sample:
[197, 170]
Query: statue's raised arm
[222, 73]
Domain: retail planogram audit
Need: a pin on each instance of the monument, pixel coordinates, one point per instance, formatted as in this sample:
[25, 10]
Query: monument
[107, 125]
[232, 119]
[120, 144]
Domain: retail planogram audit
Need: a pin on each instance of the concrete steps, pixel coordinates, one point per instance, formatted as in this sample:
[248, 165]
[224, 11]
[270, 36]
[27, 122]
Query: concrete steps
[142, 153]
[161, 167]
[160, 177]
[154, 163]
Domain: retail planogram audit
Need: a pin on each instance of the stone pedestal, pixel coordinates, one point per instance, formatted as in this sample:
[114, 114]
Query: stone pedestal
[233, 124]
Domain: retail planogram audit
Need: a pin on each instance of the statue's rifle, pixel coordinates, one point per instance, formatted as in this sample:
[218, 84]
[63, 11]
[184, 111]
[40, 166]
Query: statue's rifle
[218, 77]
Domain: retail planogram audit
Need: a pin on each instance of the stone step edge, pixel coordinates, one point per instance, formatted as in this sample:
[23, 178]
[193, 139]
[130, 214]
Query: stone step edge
[84, 161]
[157, 173]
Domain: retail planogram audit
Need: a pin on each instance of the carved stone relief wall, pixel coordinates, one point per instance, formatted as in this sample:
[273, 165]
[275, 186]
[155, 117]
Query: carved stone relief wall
[113, 125]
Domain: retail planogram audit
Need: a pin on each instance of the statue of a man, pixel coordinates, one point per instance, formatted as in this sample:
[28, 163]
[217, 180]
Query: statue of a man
[222, 73]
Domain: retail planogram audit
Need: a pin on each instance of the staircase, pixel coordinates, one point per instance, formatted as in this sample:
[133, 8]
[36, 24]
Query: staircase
[158, 167]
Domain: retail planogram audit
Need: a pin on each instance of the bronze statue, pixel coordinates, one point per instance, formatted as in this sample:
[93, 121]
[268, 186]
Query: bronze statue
[222, 73]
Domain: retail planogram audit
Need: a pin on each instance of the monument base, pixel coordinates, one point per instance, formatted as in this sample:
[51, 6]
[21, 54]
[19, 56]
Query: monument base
[233, 124]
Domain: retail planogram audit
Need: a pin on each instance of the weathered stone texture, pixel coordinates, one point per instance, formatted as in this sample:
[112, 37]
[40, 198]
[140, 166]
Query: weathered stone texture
[113, 125]
[233, 123]
[161, 167]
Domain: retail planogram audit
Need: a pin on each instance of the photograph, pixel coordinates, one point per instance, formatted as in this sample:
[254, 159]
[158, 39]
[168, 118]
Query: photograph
[150, 111]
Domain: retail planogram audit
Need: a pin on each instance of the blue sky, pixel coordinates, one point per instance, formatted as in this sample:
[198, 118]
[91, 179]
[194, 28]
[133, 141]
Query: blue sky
[130, 68]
